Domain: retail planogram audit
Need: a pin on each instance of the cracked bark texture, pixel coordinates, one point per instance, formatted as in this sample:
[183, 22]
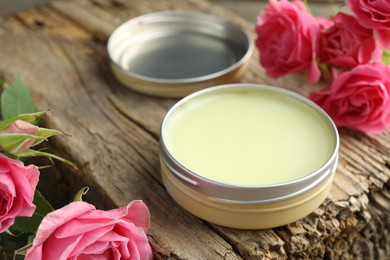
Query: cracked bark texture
[58, 49]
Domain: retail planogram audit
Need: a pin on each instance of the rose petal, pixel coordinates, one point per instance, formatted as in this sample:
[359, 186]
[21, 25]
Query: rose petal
[89, 240]
[136, 212]
[79, 231]
[59, 248]
[359, 98]
[288, 40]
[383, 38]
[54, 220]
[17, 187]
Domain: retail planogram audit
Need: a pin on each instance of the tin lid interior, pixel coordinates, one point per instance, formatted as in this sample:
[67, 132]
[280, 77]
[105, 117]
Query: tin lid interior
[179, 48]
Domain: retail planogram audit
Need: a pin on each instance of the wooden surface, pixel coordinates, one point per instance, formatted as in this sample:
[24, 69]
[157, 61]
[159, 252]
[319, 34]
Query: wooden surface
[58, 49]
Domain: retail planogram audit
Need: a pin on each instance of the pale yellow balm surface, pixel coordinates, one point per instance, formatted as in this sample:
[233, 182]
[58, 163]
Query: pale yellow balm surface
[248, 137]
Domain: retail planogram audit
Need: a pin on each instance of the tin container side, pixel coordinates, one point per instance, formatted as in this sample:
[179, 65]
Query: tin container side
[173, 89]
[244, 216]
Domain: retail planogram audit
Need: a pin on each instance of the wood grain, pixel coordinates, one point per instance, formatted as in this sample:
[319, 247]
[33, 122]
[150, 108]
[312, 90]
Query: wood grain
[59, 51]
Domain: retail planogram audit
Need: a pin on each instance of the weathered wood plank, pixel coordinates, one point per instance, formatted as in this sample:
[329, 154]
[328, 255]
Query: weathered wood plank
[59, 51]
[113, 144]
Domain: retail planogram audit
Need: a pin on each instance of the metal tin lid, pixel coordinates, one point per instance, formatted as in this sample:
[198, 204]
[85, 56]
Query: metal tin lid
[175, 53]
[257, 193]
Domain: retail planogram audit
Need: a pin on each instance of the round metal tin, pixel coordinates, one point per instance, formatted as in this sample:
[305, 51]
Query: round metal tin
[256, 206]
[175, 53]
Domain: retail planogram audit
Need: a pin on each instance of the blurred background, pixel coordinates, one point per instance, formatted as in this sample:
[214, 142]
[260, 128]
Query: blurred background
[248, 9]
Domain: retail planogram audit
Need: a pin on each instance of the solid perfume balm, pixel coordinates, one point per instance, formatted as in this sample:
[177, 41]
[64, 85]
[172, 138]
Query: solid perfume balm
[247, 144]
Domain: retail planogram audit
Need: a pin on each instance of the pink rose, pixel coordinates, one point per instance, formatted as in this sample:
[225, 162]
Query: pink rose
[359, 98]
[21, 127]
[347, 44]
[374, 15]
[17, 187]
[288, 38]
[79, 231]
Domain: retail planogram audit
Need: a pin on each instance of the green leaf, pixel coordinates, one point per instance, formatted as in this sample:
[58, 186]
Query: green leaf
[386, 57]
[21, 252]
[31, 117]
[80, 193]
[10, 243]
[45, 133]
[31, 224]
[33, 153]
[324, 68]
[16, 99]
[13, 142]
